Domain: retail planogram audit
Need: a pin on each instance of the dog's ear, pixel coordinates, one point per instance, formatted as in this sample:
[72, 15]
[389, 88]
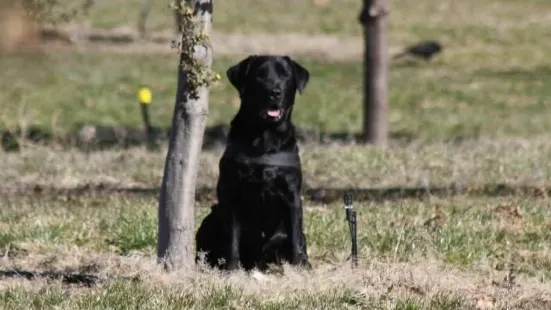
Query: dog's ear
[302, 76]
[237, 74]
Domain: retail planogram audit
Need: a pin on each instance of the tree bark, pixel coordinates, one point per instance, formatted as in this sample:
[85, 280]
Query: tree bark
[374, 20]
[177, 25]
[177, 197]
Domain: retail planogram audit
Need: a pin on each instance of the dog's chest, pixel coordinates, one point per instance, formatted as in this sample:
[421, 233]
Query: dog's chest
[265, 180]
[265, 191]
[263, 175]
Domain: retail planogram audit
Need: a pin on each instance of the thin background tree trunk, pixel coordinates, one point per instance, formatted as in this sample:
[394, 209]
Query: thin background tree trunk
[177, 197]
[375, 121]
[145, 9]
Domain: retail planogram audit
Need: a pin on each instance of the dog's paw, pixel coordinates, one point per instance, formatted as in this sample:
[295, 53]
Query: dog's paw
[275, 269]
[259, 276]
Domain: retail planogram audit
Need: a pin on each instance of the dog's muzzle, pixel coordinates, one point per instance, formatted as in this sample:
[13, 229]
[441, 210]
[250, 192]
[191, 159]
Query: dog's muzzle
[274, 112]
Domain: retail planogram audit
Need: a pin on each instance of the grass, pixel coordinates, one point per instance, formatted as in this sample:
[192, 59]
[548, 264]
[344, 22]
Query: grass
[446, 100]
[464, 232]
[493, 79]
[118, 296]
[407, 20]
[474, 238]
[475, 117]
[470, 164]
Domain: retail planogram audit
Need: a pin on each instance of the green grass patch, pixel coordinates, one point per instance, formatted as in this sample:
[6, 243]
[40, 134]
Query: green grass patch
[467, 238]
[462, 232]
[460, 96]
[133, 231]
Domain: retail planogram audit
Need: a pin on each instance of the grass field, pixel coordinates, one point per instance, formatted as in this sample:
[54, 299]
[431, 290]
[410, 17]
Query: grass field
[469, 19]
[445, 100]
[428, 247]
[455, 213]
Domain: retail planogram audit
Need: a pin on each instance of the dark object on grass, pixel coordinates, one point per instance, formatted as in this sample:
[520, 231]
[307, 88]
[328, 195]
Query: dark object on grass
[258, 220]
[11, 139]
[351, 218]
[66, 278]
[9, 142]
[151, 133]
[425, 50]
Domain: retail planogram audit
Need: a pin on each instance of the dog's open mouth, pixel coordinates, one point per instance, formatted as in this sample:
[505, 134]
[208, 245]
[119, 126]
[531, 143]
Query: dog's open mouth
[274, 113]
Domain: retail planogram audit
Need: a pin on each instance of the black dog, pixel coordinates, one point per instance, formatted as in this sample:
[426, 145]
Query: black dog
[258, 218]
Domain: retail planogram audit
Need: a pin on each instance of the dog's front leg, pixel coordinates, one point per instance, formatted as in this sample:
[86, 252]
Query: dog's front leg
[235, 237]
[298, 240]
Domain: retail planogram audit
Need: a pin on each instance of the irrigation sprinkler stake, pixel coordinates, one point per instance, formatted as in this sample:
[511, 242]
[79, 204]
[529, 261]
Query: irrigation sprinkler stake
[144, 97]
[351, 218]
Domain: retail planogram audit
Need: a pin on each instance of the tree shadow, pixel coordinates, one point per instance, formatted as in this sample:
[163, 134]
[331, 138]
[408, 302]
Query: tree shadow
[98, 137]
[407, 63]
[319, 195]
[65, 277]
[516, 73]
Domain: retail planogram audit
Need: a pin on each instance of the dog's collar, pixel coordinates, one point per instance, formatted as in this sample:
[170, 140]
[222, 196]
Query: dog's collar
[237, 153]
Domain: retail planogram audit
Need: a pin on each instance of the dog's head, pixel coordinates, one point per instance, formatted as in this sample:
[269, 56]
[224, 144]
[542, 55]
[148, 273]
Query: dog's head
[267, 86]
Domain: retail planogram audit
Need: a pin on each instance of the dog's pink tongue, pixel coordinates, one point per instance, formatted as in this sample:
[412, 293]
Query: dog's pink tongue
[274, 113]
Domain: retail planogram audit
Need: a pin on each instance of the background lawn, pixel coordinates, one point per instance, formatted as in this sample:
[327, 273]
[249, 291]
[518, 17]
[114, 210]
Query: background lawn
[453, 215]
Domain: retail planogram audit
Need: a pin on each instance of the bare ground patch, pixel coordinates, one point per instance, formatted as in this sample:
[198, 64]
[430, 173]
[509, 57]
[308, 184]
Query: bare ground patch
[125, 40]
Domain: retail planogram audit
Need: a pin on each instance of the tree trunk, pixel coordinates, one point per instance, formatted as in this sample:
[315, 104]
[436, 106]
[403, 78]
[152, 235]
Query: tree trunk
[177, 197]
[177, 25]
[374, 20]
[145, 9]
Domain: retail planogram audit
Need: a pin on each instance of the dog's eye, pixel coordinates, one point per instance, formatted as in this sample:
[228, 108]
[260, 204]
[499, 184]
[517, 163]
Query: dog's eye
[260, 80]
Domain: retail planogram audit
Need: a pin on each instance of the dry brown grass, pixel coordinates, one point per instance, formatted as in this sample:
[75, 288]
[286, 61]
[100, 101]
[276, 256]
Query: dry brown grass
[425, 279]
[514, 162]
[320, 46]
[462, 251]
[18, 32]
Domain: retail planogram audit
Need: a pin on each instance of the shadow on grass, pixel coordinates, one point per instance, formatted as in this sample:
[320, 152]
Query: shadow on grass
[97, 137]
[518, 73]
[319, 195]
[65, 277]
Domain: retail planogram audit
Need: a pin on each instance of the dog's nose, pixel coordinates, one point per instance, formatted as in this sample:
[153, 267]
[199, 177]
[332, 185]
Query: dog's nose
[275, 94]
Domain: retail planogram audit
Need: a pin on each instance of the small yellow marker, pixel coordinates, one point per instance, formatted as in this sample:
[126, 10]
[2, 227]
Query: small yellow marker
[144, 95]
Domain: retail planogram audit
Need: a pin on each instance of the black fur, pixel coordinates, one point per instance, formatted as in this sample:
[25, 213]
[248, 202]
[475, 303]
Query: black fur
[425, 50]
[258, 218]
